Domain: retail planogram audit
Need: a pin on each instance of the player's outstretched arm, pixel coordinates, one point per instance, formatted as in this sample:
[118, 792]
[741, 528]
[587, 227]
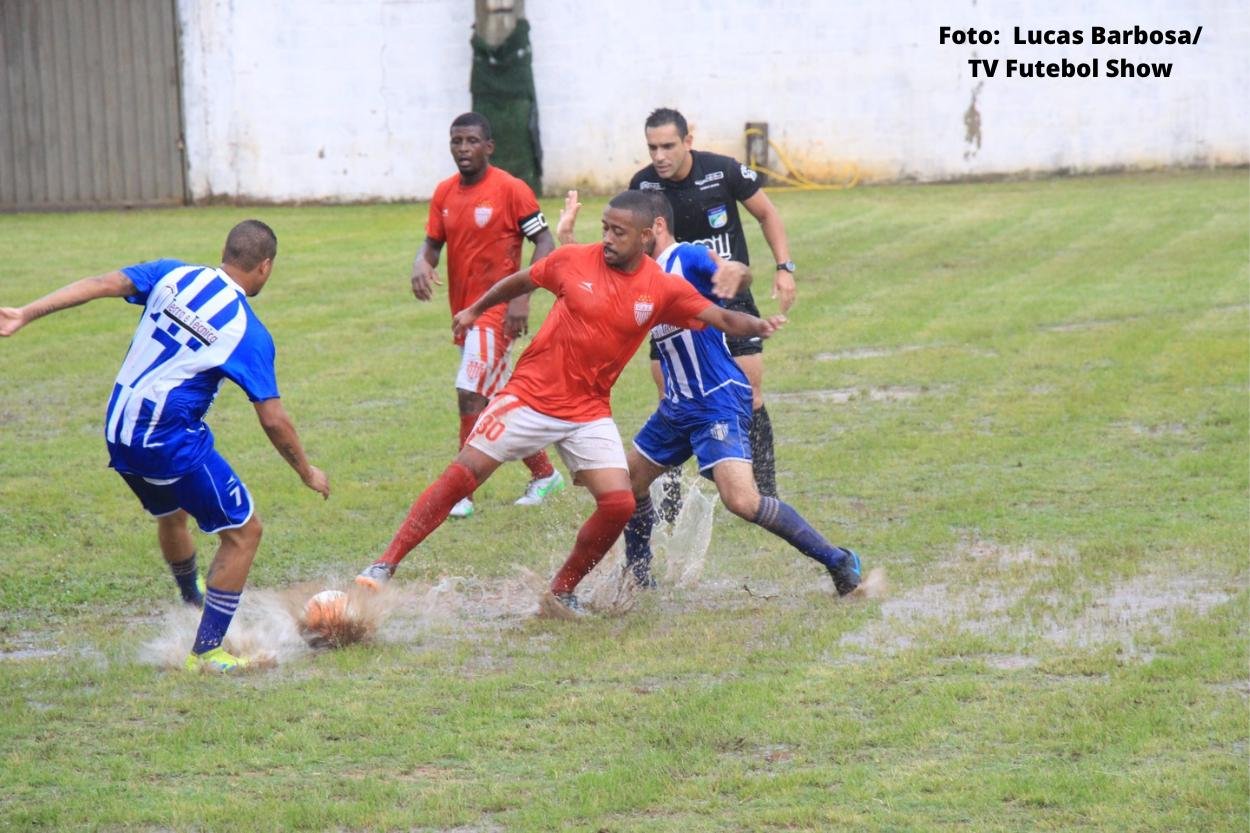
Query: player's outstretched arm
[516, 320]
[111, 285]
[730, 277]
[741, 324]
[763, 210]
[281, 432]
[518, 283]
[568, 219]
[424, 277]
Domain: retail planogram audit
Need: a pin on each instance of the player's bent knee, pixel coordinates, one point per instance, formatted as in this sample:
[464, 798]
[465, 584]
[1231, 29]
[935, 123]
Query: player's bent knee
[745, 506]
[617, 506]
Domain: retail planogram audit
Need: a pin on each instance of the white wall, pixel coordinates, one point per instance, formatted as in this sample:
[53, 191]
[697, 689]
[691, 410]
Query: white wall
[350, 99]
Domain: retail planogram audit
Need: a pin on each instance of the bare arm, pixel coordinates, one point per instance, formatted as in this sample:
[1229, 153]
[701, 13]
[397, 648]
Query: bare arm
[281, 432]
[516, 322]
[518, 283]
[111, 285]
[424, 278]
[568, 218]
[740, 324]
[763, 210]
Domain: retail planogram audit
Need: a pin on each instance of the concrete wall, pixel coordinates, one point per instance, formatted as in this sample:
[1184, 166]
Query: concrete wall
[350, 99]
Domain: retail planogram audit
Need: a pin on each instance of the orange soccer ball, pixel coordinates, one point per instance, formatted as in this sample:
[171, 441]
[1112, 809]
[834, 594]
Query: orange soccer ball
[325, 610]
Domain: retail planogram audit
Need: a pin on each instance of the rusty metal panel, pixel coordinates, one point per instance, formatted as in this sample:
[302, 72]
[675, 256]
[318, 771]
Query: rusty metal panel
[90, 110]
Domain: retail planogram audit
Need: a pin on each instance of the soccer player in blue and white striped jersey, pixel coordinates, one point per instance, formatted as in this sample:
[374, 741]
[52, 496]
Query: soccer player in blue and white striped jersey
[706, 412]
[196, 330]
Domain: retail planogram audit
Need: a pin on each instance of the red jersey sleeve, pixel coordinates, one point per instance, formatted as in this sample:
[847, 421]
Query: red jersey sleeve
[548, 272]
[525, 210]
[434, 223]
[681, 304]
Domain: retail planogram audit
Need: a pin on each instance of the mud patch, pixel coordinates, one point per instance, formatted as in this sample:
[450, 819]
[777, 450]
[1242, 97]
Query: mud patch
[841, 396]
[1167, 429]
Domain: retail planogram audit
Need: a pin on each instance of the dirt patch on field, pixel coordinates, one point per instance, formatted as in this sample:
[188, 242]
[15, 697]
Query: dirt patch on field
[989, 590]
[841, 396]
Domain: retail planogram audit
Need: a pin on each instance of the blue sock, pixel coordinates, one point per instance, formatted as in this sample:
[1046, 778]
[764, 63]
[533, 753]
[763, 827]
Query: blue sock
[219, 608]
[638, 539]
[186, 573]
[781, 520]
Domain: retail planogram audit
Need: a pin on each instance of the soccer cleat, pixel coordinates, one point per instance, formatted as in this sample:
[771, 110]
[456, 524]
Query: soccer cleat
[375, 576]
[200, 589]
[541, 488]
[561, 606]
[847, 572]
[462, 509]
[216, 661]
[641, 571]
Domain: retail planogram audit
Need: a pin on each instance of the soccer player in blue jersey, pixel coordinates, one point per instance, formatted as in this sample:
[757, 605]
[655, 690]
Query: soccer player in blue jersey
[196, 330]
[706, 412]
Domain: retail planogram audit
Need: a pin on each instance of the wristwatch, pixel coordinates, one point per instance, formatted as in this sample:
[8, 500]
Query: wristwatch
[788, 266]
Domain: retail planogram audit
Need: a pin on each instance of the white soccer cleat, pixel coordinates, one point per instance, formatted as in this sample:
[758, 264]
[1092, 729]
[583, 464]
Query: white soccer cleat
[540, 488]
[462, 509]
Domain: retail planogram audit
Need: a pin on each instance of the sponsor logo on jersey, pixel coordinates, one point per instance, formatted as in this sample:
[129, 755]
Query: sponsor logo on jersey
[718, 243]
[720, 431]
[186, 319]
[661, 331]
[717, 216]
[747, 173]
[712, 177]
[643, 307]
[481, 214]
[650, 186]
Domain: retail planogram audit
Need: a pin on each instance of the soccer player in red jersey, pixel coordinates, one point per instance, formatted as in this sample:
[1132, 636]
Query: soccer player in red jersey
[608, 297]
[482, 214]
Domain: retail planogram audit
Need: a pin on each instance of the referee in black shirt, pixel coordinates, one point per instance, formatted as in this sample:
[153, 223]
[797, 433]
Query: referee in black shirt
[704, 190]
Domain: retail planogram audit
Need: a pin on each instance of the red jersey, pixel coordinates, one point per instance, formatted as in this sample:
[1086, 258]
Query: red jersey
[599, 318]
[483, 225]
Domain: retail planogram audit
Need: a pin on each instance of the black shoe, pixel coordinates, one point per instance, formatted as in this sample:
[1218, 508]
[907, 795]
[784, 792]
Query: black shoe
[846, 573]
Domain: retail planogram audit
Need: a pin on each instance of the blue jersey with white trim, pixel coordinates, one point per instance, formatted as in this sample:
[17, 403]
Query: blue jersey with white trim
[196, 330]
[697, 366]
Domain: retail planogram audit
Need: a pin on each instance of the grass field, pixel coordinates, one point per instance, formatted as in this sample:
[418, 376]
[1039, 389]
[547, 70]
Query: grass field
[1027, 401]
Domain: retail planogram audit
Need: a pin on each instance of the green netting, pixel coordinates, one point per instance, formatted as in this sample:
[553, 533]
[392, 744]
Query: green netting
[502, 86]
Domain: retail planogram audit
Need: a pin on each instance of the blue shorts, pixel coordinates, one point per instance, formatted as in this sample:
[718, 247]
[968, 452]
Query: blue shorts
[670, 436]
[211, 493]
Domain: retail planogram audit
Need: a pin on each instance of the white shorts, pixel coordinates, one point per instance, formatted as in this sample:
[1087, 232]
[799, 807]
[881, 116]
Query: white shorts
[511, 430]
[484, 361]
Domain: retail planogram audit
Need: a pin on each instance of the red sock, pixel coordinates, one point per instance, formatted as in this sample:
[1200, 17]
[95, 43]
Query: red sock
[429, 510]
[467, 421]
[540, 465]
[593, 539]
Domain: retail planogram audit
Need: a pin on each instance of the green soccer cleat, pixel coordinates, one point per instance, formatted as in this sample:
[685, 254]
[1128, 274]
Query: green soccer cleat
[216, 661]
[541, 488]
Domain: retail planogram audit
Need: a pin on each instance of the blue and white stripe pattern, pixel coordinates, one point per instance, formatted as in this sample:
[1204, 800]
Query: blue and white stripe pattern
[197, 329]
[696, 364]
[219, 609]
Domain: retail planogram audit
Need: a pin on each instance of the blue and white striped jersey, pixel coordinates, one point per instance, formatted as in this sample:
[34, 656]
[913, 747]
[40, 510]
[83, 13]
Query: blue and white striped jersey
[197, 329]
[696, 364]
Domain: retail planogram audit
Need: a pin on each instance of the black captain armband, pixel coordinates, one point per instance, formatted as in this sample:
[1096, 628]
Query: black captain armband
[532, 225]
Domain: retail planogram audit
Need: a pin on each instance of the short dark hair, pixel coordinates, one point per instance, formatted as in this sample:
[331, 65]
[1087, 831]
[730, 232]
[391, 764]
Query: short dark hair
[473, 120]
[663, 208]
[638, 203]
[667, 115]
[249, 244]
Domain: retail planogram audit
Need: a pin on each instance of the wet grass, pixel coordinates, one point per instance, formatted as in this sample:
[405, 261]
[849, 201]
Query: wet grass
[1027, 401]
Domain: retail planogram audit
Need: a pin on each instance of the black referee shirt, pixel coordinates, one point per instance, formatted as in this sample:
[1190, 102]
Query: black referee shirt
[705, 203]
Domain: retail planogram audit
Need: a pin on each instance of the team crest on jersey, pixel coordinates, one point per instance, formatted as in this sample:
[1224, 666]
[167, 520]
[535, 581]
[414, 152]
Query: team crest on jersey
[717, 216]
[720, 431]
[481, 214]
[643, 307]
[474, 369]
